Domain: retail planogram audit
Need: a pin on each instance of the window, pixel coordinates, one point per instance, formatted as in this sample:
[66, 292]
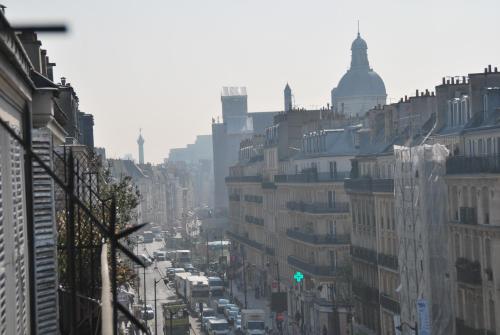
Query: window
[331, 199]
[332, 228]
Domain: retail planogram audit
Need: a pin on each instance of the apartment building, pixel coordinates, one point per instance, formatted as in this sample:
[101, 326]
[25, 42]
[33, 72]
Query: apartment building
[473, 183]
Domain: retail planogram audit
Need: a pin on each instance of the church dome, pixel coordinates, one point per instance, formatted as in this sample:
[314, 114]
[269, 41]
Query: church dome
[359, 83]
[360, 79]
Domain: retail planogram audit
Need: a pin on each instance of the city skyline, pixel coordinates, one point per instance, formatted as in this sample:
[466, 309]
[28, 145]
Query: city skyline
[201, 48]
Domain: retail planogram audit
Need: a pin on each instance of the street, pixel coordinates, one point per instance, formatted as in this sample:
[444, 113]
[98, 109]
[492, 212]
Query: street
[163, 293]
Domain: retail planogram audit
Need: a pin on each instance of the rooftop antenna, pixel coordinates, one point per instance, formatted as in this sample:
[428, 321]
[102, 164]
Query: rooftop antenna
[358, 27]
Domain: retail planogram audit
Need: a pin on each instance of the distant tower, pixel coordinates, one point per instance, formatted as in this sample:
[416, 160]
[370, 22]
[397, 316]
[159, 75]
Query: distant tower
[140, 141]
[288, 98]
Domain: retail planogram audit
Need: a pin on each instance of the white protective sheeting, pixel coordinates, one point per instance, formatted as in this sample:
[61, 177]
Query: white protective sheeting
[421, 207]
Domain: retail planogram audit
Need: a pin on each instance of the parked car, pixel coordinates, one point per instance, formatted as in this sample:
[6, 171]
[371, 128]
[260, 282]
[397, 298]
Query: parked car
[219, 305]
[147, 313]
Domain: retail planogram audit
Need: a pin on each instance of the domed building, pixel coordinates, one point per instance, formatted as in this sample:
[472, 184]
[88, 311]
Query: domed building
[361, 88]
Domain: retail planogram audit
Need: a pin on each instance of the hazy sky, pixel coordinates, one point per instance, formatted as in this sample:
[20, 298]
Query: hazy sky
[160, 65]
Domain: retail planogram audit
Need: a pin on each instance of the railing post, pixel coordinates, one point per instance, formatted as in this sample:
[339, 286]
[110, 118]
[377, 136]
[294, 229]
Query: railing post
[70, 236]
[28, 173]
[113, 262]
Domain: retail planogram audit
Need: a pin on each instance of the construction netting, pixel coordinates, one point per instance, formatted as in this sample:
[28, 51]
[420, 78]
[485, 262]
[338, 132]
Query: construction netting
[421, 220]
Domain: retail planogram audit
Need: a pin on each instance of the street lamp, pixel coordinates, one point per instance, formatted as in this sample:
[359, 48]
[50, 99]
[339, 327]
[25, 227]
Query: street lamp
[165, 280]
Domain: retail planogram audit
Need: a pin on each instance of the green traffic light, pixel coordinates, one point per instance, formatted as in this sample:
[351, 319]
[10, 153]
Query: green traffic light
[298, 276]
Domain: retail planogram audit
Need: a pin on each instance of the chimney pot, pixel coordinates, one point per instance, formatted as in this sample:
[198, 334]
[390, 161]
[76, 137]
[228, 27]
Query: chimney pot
[406, 98]
[444, 80]
[496, 69]
[63, 81]
[416, 93]
[485, 70]
[489, 68]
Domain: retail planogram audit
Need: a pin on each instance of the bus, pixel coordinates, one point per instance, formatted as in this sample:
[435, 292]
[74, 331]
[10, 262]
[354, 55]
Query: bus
[182, 257]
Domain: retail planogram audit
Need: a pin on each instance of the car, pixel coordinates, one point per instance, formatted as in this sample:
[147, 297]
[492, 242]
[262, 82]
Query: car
[158, 239]
[147, 313]
[232, 315]
[217, 327]
[237, 325]
[204, 322]
[219, 305]
[227, 308]
[207, 313]
[160, 255]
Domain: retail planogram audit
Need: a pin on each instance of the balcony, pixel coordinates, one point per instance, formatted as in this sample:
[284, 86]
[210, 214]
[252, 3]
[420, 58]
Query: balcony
[253, 198]
[463, 329]
[318, 207]
[244, 179]
[269, 251]
[389, 303]
[473, 164]
[468, 272]
[268, 185]
[254, 220]
[234, 197]
[311, 177]
[364, 254]
[369, 185]
[364, 292]
[468, 215]
[307, 267]
[389, 261]
[318, 239]
[246, 240]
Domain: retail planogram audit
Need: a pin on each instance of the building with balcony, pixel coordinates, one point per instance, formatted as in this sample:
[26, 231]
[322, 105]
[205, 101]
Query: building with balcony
[473, 207]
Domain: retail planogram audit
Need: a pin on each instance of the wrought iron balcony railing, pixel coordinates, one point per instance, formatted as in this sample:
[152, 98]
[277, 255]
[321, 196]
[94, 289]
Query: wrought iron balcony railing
[254, 198]
[244, 179]
[365, 292]
[473, 164]
[254, 220]
[311, 177]
[364, 254]
[246, 240]
[318, 239]
[389, 303]
[389, 261]
[368, 184]
[312, 269]
[468, 272]
[318, 207]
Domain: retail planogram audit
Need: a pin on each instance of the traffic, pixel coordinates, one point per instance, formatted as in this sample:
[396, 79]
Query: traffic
[199, 301]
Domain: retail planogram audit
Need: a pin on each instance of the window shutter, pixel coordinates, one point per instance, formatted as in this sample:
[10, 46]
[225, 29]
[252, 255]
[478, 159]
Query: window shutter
[18, 222]
[45, 237]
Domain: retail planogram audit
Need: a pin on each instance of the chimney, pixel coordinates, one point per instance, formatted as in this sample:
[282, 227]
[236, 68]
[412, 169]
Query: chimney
[444, 80]
[406, 98]
[485, 70]
[464, 81]
[32, 46]
[50, 69]
[448, 81]
[43, 54]
[489, 68]
[416, 93]
[63, 81]
[496, 69]
[452, 80]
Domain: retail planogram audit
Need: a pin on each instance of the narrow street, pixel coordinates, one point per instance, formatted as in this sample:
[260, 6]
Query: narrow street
[163, 293]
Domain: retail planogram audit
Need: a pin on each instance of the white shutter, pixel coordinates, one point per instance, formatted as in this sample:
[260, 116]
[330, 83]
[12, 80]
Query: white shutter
[18, 222]
[45, 237]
